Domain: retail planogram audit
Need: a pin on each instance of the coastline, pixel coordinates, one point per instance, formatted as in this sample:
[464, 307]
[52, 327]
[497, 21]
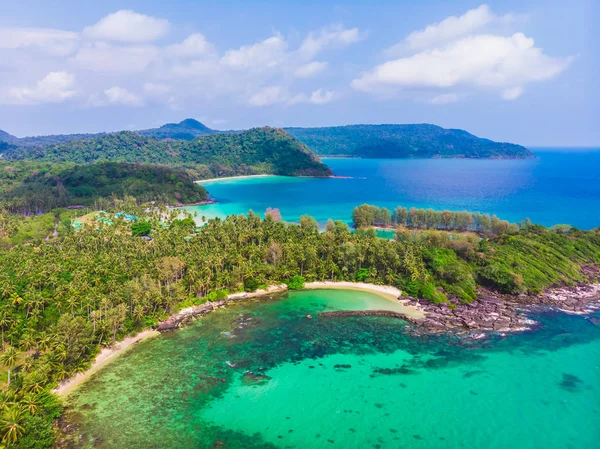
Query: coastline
[231, 178]
[184, 316]
[107, 355]
[491, 312]
[413, 311]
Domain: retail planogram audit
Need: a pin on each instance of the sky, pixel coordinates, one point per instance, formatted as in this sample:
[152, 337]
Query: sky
[518, 71]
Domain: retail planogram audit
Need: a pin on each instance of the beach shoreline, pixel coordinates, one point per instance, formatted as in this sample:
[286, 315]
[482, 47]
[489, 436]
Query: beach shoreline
[231, 178]
[414, 311]
[492, 312]
[184, 316]
[107, 355]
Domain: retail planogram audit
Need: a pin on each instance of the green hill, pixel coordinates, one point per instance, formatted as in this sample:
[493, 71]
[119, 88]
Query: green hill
[404, 141]
[258, 150]
[33, 187]
[187, 129]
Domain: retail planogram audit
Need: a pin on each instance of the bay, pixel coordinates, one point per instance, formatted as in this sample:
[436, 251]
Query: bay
[260, 374]
[560, 186]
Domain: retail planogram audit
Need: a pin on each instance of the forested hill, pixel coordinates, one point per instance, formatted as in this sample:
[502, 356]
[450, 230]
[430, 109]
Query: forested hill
[187, 129]
[258, 150]
[404, 141]
[33, 187]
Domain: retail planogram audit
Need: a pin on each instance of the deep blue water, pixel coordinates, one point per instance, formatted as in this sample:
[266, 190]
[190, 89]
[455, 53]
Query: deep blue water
[559, 186]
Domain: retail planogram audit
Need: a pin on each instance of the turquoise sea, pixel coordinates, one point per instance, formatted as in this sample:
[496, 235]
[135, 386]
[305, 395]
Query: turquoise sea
[260, 374]
[559, 186]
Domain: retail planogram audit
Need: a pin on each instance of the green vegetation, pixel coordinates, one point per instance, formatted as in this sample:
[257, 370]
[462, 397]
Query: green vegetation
[296, 282]
[141, 228]
[256, 151]
[403, 141]
[33, 187]
[66, 292]
[187, 129]
[367, 215]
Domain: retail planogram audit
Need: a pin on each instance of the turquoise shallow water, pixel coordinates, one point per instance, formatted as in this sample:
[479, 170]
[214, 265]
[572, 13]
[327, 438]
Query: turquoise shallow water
[259, 374]
[556, 187]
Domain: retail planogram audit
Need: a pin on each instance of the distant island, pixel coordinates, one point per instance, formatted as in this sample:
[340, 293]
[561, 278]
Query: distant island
[361, 141]
[404, 141]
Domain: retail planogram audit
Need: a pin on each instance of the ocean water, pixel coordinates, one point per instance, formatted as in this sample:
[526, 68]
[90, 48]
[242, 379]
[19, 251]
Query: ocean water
[558, 187]
[260, 374]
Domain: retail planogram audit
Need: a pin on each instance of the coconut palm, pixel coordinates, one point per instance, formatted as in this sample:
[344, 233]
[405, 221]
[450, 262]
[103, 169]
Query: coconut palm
[12, 425]
[9, 359]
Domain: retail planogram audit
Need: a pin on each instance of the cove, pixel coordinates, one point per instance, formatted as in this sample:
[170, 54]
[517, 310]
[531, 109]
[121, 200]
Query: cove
[560, 186]
[260, 374]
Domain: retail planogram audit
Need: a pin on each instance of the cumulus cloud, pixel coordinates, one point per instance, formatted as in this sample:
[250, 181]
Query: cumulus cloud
[268, 96]
[194, 45]
[55, 87]
[128, 26]
[57, 42]
[335, 36]
[450, 54]
[310, 69]
[123, 49]
[120, 96]
[319, 96]
[264, 54]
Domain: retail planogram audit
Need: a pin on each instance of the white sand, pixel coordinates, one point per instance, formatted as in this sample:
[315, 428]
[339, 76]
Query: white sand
[105, 356]
[108, 354]
[229, 178]
[386, 291]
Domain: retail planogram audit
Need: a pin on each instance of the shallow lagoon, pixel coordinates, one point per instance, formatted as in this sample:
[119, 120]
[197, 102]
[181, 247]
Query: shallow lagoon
[344, 382]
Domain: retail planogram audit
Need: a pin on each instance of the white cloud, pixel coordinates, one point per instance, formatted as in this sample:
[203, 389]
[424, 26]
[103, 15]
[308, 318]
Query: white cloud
[336, 36]
[483, 61]
[512, 93]
[57, 42]
[268, 96]
[265, 54]
[449, 29]
[310, 69]
[120, 96]
[55, 87]
[194, 45]
[104, 57]
[128, 26]
[319, 96]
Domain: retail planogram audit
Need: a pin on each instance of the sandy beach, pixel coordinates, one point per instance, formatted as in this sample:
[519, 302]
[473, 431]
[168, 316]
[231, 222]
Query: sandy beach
[109, 354]
[106, 356]
[230, 178]
[386, 291]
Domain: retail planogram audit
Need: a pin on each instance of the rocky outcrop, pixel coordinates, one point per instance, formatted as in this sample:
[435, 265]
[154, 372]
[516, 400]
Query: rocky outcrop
[491, 312]
[186, 315]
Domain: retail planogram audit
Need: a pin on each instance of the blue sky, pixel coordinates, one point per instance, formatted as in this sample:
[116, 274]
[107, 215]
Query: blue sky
[521, 71]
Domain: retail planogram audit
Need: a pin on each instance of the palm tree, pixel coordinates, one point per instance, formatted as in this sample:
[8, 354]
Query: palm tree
[9, 358]
[31, 402]
[12, 425]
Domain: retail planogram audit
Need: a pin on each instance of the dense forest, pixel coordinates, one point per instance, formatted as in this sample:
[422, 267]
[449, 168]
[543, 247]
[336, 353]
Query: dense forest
[367, 215]
[33, 187]
[368, 141]
[404, 141]
[65, 292]
[256, 151]
[187, 129]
